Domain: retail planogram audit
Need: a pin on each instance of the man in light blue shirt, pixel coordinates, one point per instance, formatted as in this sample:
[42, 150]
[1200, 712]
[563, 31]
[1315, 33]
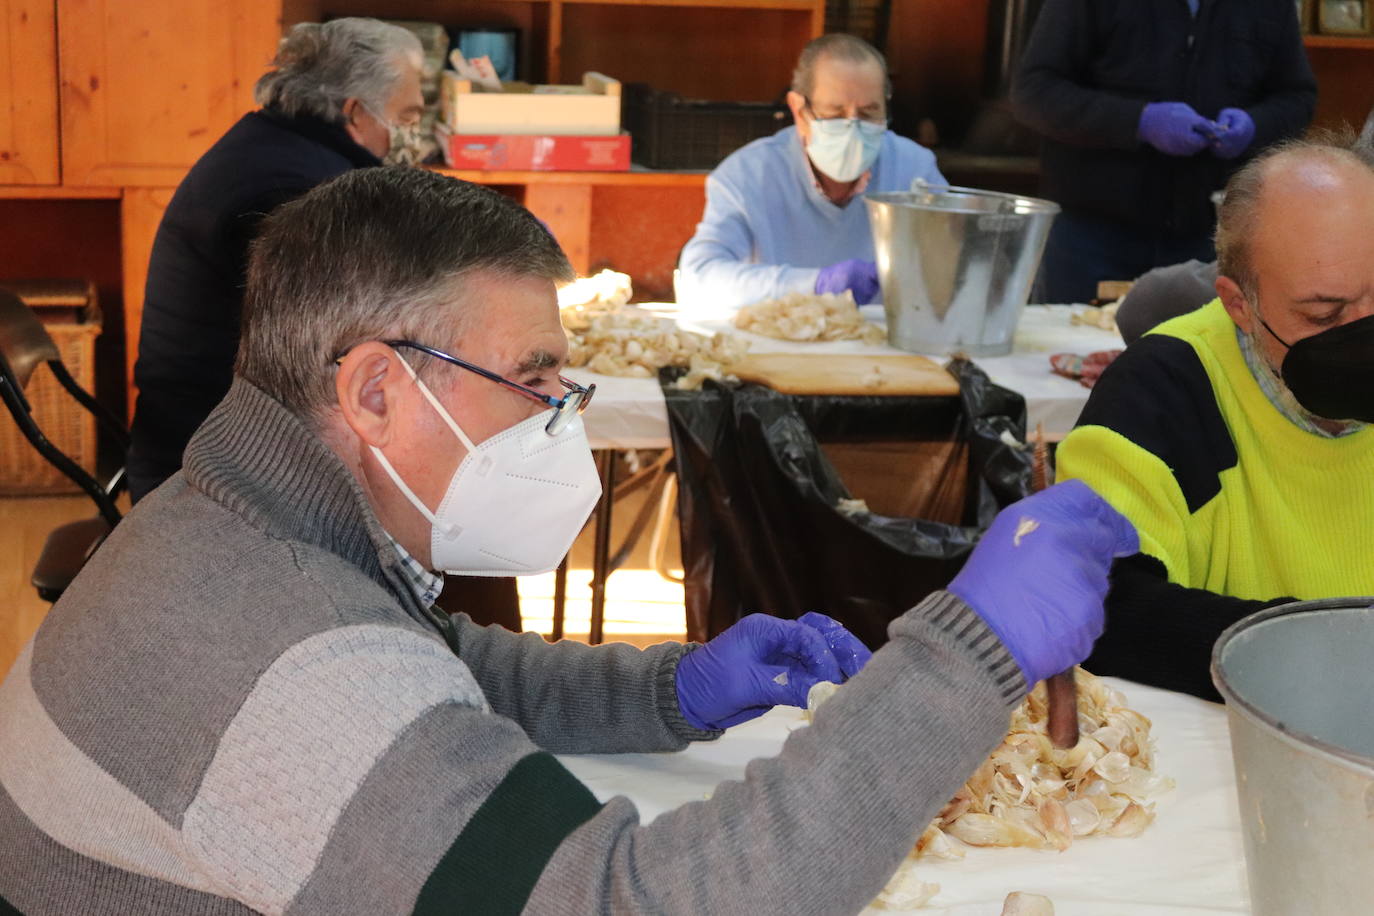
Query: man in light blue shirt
[785, 213]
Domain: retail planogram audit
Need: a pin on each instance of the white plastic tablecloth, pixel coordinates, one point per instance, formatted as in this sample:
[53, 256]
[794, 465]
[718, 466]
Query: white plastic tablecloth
[1189, 861]
[631, 413]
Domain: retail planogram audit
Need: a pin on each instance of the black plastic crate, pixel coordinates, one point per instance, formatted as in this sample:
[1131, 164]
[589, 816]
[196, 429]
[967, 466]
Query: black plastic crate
[670, 132]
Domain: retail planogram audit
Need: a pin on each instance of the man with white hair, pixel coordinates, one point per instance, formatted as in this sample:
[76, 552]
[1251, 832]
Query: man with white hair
[1236, 437]
[785, 214]
[247, 702]
[340, 95]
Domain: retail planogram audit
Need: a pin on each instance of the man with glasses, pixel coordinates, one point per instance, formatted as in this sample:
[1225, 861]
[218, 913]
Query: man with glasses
[247, 701]
[785, 214]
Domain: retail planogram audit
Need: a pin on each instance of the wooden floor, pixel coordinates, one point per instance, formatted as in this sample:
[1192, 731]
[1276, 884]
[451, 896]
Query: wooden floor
[642, 608]
[24, 526]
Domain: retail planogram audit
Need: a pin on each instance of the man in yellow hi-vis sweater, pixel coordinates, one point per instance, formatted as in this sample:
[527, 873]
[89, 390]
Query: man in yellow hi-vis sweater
[1236, 437]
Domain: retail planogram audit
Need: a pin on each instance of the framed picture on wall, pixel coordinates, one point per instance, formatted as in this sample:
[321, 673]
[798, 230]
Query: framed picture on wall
[1304, 10]
[1343, 17]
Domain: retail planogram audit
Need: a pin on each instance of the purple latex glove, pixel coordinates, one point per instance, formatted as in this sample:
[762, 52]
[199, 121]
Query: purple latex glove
[758, 663]
[1039, 575]
[844, 645]
[1234, 131]
[1174, 128]
[861, 277]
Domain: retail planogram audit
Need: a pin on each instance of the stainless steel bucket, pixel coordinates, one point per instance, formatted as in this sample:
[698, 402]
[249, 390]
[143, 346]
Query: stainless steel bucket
[956, 265]
[1299, 688]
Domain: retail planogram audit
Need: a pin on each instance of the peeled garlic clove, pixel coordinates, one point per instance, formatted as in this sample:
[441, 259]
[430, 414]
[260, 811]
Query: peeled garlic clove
[1019, 903]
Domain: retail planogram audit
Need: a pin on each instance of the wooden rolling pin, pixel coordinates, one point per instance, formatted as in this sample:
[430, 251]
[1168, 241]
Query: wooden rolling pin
[1061, 690]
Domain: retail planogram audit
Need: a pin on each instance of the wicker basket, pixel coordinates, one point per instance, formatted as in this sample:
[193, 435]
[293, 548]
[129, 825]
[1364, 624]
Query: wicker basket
[71, 315]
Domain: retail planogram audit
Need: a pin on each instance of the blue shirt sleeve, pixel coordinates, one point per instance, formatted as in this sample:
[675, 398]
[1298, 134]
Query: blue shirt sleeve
[718, 266]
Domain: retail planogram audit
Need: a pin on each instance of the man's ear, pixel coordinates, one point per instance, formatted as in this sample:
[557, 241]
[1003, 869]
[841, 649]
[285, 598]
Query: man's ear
[369, 385]
[797, 102]
[352, 108]
[1233, 300]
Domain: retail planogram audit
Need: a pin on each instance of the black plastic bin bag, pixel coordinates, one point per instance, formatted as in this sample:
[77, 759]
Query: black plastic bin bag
[763, 524]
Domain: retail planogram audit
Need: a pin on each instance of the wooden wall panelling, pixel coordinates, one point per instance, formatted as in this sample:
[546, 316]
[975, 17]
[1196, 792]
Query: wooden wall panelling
[567, 210]
[935, 53]
[1345, 84]
[78, 239]
[640, 230]
[140, 215]
[146, 87]
[28, 93]
[718, 53]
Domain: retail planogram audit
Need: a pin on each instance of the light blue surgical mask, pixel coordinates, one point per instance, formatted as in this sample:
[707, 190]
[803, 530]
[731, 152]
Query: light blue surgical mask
[844, 148]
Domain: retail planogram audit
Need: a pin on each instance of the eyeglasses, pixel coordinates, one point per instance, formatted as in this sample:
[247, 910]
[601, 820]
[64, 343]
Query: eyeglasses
[564, 408]
[873, 124]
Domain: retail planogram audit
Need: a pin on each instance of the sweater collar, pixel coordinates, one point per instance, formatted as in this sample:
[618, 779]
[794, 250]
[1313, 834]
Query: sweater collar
[324, 133]
[261, 462]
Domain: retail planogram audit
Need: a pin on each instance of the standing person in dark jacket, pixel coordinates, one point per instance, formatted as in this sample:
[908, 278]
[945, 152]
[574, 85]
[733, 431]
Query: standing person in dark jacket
[340, 96]
[1147, 107]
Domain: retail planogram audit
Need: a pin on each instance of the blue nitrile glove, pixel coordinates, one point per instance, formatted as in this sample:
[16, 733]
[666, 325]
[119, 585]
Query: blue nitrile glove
[859, 276]
[1235, 130]
[1174, 128]
[758, 663]
[1039, 575]
[844, 645]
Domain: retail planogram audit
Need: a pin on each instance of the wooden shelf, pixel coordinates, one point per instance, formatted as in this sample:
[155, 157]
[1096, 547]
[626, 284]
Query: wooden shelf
[55, 192]
[804, 5]
[1352, 42]
[641, 179]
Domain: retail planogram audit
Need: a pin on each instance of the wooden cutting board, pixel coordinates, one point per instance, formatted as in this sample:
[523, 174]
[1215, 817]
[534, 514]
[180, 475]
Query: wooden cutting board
[808, 373]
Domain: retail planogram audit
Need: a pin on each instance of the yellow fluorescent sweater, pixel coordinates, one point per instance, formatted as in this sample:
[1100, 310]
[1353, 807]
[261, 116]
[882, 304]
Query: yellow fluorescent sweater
[1225, 491]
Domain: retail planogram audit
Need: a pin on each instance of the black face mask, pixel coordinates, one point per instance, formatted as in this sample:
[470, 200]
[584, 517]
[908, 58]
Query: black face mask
[1332, 373]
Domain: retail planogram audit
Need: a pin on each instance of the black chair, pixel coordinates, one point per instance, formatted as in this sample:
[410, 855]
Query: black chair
[24, 344]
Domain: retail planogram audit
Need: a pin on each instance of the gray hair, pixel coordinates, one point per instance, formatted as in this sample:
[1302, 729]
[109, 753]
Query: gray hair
[841, 47]
[1239, 210]
[375, 254]
[320, 65]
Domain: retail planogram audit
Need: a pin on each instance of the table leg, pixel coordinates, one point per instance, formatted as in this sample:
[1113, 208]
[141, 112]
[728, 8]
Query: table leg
[601, 556]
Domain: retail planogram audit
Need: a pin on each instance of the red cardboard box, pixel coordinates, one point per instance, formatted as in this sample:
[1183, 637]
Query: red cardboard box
[534, 153]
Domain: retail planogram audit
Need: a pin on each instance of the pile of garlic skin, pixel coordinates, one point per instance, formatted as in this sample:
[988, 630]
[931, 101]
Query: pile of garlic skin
[1030, 793]
[636, 344]
[609, 338]
[809, 317]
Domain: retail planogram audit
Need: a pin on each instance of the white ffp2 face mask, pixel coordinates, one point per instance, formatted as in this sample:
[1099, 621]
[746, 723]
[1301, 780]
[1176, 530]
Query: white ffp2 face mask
[516, 502]
[844, 148]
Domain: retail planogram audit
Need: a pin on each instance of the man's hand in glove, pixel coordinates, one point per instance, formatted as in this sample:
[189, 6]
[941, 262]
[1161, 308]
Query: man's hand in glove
[1174, 128]
[861, 277]
[1039, 575]
[1234, 132]
[762, 662]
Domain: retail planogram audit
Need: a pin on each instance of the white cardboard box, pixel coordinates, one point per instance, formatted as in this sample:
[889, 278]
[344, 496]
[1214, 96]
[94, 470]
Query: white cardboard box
[589, 110]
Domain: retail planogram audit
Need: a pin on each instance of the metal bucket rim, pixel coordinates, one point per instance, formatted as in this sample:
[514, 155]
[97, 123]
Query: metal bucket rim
[1038, 205]
[1305, 742]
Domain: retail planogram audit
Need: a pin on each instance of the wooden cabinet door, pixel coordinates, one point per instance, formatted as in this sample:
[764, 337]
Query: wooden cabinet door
[148, 86]
[28, 92]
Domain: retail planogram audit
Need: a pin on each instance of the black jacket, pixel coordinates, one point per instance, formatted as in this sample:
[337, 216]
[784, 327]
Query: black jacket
[194, 296]
[1090, 66]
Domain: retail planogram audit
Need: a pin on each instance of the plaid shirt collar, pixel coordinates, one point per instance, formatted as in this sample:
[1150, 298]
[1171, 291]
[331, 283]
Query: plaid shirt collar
[426, 585]
[1282, 399]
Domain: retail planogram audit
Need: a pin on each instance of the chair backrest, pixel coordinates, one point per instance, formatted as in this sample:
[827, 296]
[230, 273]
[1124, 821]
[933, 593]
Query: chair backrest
[24, 342]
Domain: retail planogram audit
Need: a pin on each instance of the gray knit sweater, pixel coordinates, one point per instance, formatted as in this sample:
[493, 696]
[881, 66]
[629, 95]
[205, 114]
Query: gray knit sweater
[240, 705]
